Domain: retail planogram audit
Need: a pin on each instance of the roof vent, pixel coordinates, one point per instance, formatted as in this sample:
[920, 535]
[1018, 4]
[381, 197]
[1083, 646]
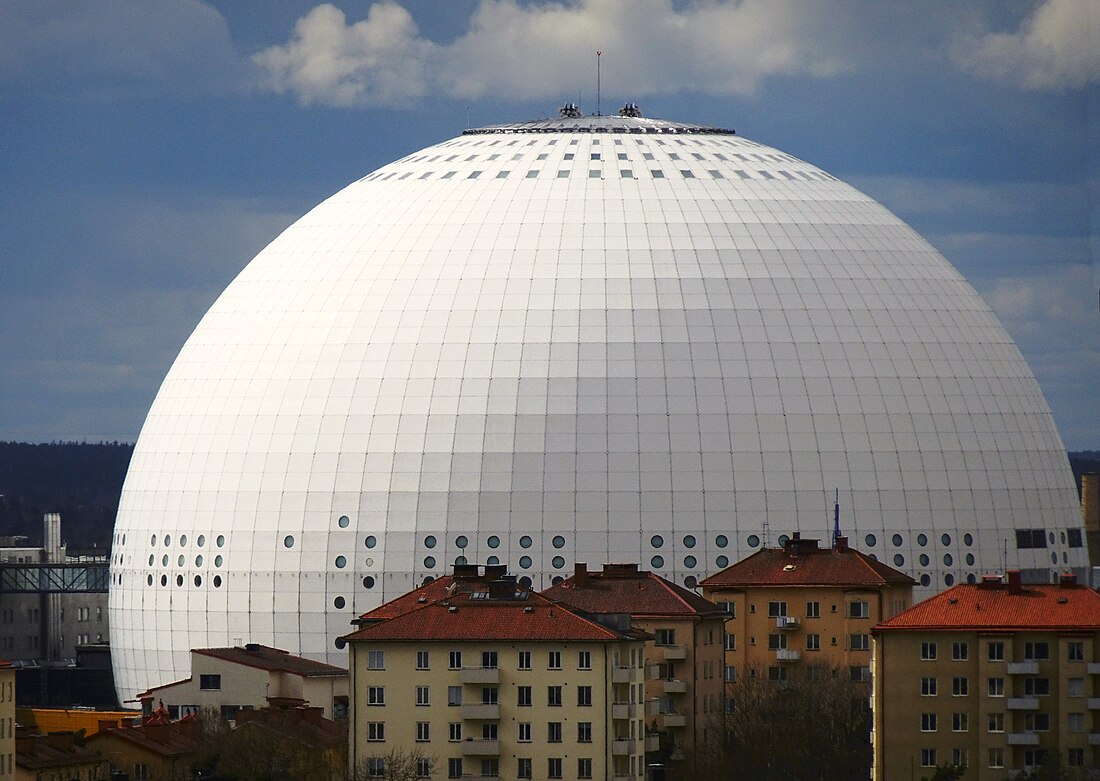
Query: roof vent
[422, 600]
[570, 111]
[452, 609]
[1062, 600]
[952, 601]
[630, 110]
[1067, 580]
[788, 568]
[528, 609]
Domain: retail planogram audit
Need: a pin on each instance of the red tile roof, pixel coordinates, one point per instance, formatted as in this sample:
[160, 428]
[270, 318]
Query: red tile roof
[531, 619]
[273, 659]
[801, 563]
[467, 578]
[301, 724]
[172, 739]
[993, 607]
[623, 588]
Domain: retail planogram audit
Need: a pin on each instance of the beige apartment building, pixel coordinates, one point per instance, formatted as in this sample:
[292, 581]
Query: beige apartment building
[684, 658]
[998, 676]
[492, 681]
[250, 677]
[803, 609]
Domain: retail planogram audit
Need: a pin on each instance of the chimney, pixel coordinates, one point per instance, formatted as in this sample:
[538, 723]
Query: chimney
[841, 544]
[1015, 584]
[1067, 580]
[580, 574]
[990, 581]
[1090, 514]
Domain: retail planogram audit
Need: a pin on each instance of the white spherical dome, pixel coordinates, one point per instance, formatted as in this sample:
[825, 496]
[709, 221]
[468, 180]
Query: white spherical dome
[598, 339]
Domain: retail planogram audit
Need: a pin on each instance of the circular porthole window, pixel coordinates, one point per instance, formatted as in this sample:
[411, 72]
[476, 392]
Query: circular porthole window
[461, 541]
[899, 560]
[429, 541]
[338, 603]
[968, 539]
[689, 562]
[784, 539]
[164, 580]
[218, 560]
[925, 580]
[460, 561]
[871, 540]
[922, 540]
[722, 561]
[198, 560]
[198, 580]
[167, 540]
[948, 560]
[164, 560]
[971, 579]
[343, 521]
[689, 541]
[945, 539]
[492, 561]
[525, 581]
[949, 579]
[368, 582]
[897, 540]
[217, 581]
[288, 541]
[753, 541]
[690, 581]
[183, 540]
[656, 541]
[201, 540]
[558, 541]
[340, 642]
[371, 541]
[152, 559]
[220, 542]
[970, 559]
[341, 562]
[657, 562]
[180, 561]
[525, 562]
[493, 541]
[429, 562]
[923, 559]
[153, 540]
[179, 580]
[525, 541]
[558, 562]
[556, 580]
[149, 580]
[721, 541]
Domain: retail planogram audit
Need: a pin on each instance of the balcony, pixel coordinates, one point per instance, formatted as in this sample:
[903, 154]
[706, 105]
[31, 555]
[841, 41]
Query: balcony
[1023, 668]
[1094, 738]
[480, 747]
[623, 747]
[1094, 668]
[671, 720]
[673, 686]
[1023, 738]
[1093, 703]
[624, 710]
[787, 655]
[674, 653]
[1022, 703]
[482, 710]
[786, 622]
[479, 675]
[653, 743]
[623, 674]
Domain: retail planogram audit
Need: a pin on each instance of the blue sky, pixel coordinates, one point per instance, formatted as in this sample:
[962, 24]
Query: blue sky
[150, 148]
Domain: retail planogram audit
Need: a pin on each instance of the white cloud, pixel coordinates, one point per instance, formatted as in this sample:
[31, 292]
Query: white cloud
[537, 51]
[1057, 47]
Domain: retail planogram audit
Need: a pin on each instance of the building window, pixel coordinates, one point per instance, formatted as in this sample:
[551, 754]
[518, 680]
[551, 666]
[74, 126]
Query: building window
[996, 687]
[423, 767]
[928, 687]
[454, 660]
[488, 660]
[859, 610]
[860, 673]
[1075, 538]
[776, 642]
[376, 767]
[423, 731]
[584, 660]
[928, 722]
[553, 660]
[141, 772]
[960, 722]
[523, 696]
[422, 660]
[928, 651]
[730, 642]
[1037, 651]
[525, 660]
[995, 652]
[1030, 538]
[454, 767]
[776, 609]
[376, 695]
[664, 637]
[584, 731]
[376, 660]
[1075, 757]
[996, 722]
[1037, 722]
[960, 687]
[489, 695]
[454, 695]
[454, 731]
[1076, 722]
[553, 732]
[376, 731]
[553, 696]
[524, 732]
[553, 767]
[1075, 651]
[584, 767]
[996, 757]
[813, 642]
[209, 683]
[584, 696]
[1075, 687]
[1037, 687]
[777, 673]
[928, 757]
[859, 642]
[423, 696]
[960, 652]
[1035, 757]
[813, 610]
[490, 767]
[959, 757]
[524, 768]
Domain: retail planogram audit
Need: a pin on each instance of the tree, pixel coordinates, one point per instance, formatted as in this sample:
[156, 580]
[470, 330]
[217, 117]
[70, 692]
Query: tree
[395, 765]
[815, 725]
[947, 772]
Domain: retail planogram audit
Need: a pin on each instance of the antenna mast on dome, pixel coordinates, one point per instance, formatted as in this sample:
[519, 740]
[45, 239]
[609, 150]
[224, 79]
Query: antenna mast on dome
[836, 516]
[598, 54]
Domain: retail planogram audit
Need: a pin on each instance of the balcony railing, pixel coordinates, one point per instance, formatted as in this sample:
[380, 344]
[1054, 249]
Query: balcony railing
[653, 743]
[1023, 739]
[787, 655]
[480, 747]
[1094, 738]
[624, 674]
[1022, 703]
[622, 747]
[624, 710]
[667, 720]
[481, 710]
[674, 652]
[786, 622]
[1094, 668]
[1023, 668]
[674, 686]
[1093, 703]
[479, 675]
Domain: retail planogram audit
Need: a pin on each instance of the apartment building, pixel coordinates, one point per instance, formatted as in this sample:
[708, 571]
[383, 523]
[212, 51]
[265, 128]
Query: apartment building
[496, 681]
[684, 658]
[804, 609]
[250, 677]
[998, 676]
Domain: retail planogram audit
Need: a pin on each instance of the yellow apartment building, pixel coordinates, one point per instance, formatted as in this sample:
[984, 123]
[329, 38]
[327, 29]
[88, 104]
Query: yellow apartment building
[998, 676]
[492, 681]
[684, 658]
[7, 719]
[801, 608]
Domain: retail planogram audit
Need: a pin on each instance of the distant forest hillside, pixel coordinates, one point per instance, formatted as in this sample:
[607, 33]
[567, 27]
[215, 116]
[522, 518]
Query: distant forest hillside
[83, 482]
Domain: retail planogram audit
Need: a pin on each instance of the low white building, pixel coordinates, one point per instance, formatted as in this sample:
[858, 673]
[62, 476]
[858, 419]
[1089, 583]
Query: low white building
[250, 677]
